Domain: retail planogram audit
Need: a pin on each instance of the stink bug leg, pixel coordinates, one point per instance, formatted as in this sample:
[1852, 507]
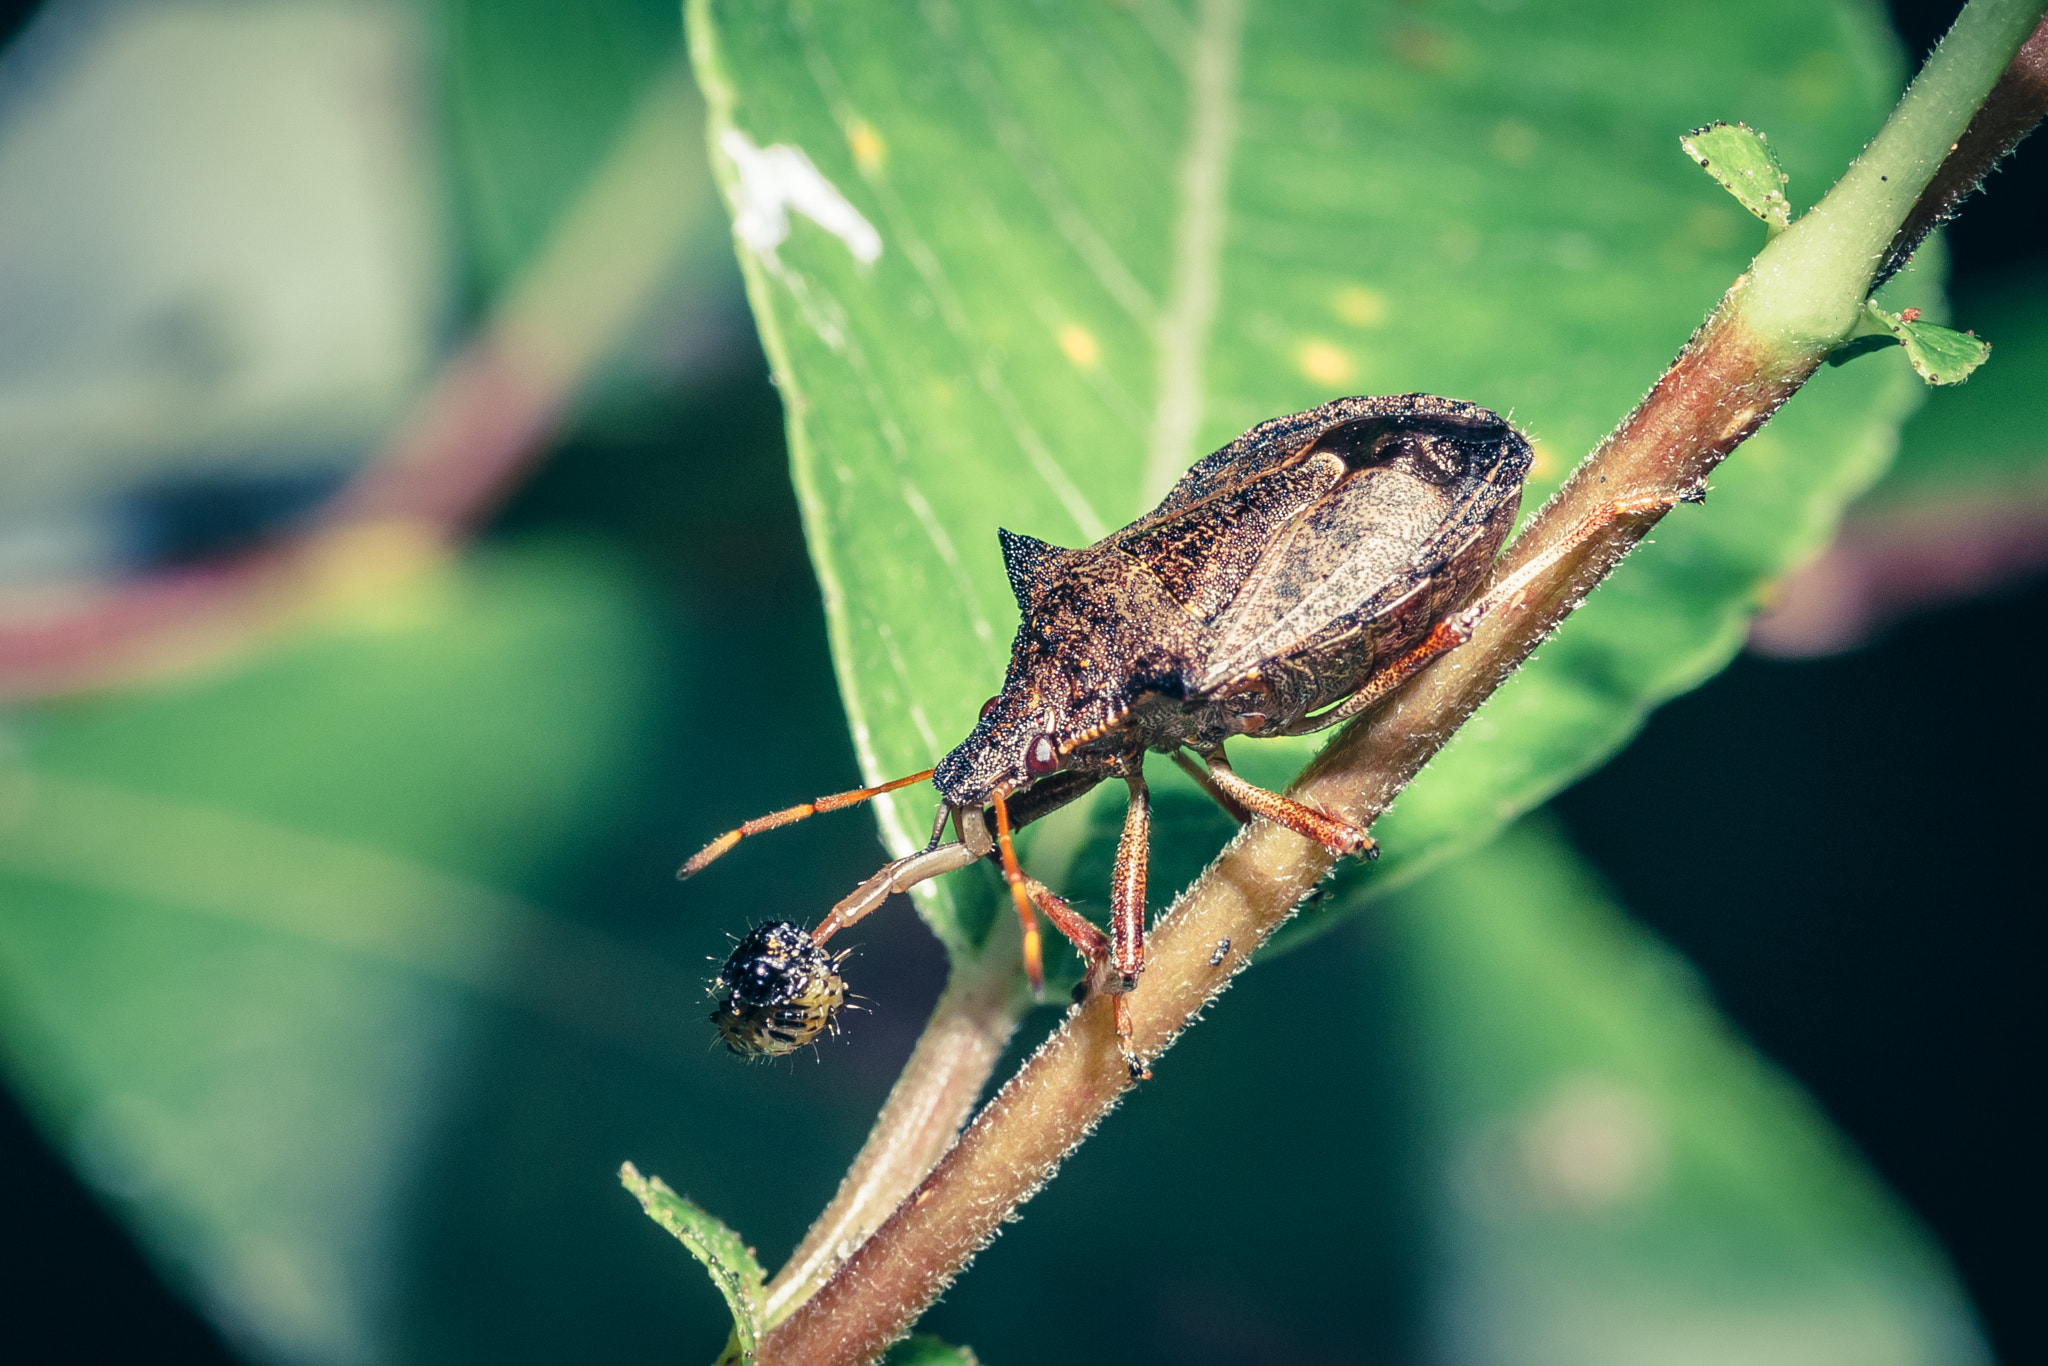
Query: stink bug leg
[1034, 952]
[1334, 833]
[1202, 779]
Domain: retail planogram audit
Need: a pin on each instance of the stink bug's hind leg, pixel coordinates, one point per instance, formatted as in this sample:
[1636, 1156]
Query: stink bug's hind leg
[1445, 636]
[1334, 833]
[1208, 785]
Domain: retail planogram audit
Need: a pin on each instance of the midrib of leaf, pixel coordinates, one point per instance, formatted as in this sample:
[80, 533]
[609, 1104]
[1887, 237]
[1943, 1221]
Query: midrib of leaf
[1203, 182]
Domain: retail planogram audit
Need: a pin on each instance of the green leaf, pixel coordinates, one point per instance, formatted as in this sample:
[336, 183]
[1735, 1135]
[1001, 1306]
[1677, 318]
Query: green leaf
[1617, 1169]
[1738, 156]
[1020, 266]
[1940, 355]
[247, 918]
[537, 92]
[729, 1260]
[928, 1351]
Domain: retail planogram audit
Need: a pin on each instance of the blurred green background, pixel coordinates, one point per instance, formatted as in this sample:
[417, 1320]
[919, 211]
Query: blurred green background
[337, 977]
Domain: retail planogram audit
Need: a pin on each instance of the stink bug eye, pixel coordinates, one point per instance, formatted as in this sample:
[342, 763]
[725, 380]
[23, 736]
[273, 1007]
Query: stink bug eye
[777, 992]
[1042, 757]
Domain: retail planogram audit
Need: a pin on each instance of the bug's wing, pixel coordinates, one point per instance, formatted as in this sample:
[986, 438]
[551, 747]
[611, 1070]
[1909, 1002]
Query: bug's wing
[1202, 552]
[1258, 452]
[1210, 533]
[1351, 427]
[1355, 555]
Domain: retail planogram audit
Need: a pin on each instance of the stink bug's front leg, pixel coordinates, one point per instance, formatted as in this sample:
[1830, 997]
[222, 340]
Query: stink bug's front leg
[1095, 948]
[1034, 951]
[901, 875]
[1114, 960]
[1091, 943]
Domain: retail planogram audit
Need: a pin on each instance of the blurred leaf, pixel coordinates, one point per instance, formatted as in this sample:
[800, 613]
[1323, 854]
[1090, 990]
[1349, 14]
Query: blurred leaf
[579, 168]
[1111, 239]
[1987, 436]
[1622, 1180]
[730, 1261]
[538, 91]
[223, 266]
[928, 1351]
[245, 921]
[1738, 156]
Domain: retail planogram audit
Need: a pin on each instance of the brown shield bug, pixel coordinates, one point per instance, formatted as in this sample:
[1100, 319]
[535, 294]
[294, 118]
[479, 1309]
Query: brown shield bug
[1289, 581]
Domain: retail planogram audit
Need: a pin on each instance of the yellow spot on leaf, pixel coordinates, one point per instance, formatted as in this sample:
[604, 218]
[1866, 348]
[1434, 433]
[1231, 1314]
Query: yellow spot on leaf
[1544, 463]
[1324, 363]
[867, 145]
[1361, 307]
[1422, 47]
[1080, 346]
[1514, 142]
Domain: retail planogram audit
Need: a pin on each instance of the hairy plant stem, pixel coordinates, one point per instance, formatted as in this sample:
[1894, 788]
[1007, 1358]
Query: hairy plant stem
[932, 1098]
[1816, 274]
[1774, 326]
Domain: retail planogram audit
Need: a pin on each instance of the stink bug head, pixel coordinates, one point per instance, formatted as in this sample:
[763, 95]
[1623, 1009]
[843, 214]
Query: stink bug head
[1029, 730]
[1009, 746]
[1067, 682]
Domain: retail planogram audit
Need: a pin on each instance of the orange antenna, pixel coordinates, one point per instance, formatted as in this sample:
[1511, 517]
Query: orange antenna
[1034, 956]
[788, 816]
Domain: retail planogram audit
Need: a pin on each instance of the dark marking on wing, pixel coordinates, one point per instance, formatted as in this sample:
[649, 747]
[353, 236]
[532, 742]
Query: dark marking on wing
[1202, 554]
[1421, 499]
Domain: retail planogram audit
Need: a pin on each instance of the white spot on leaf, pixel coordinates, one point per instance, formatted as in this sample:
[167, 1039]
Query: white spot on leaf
[774, 180]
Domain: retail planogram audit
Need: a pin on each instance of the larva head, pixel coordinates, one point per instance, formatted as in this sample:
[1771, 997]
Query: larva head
[777, 992]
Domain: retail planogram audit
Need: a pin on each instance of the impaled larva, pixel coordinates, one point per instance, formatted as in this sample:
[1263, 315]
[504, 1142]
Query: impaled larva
[777, 992]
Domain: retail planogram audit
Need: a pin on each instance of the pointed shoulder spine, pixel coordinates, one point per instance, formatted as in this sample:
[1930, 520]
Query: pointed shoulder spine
[1025, 557]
